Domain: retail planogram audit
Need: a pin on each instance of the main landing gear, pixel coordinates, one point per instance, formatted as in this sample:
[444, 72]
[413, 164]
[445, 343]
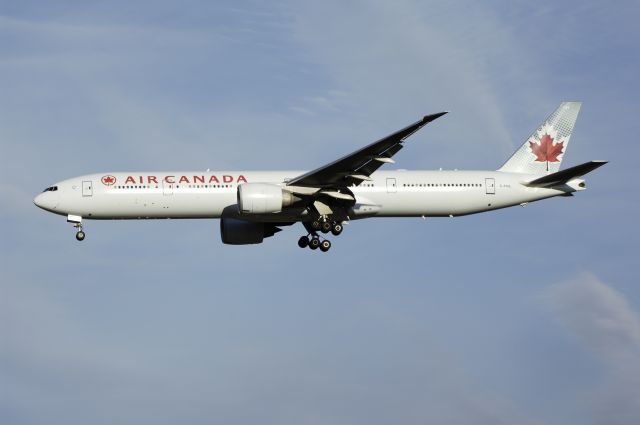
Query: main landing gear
[313, 241]
[326, 226]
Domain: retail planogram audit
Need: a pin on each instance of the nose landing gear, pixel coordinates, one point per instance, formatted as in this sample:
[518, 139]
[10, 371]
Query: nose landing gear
[77, 223]
[80, 233]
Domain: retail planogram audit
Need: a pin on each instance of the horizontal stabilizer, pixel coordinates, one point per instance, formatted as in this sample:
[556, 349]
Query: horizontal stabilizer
[564, 176]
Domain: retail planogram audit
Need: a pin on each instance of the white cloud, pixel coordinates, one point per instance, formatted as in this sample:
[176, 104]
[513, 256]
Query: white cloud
[602, 319]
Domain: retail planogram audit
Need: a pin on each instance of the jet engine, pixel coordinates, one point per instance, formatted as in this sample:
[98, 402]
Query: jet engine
[240, 232]
[263, 198]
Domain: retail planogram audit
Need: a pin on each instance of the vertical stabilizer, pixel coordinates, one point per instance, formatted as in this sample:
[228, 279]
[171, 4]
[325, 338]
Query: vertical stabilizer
[544, 150]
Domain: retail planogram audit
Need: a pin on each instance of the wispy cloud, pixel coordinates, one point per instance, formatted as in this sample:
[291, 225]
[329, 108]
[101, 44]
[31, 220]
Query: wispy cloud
[332, 101]
[400, 62]
[602, 319]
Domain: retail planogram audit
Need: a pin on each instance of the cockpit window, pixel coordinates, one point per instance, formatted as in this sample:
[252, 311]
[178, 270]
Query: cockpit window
[51, 189]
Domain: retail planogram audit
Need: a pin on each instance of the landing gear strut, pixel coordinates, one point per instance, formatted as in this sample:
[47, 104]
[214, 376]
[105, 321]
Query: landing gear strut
[80, 233]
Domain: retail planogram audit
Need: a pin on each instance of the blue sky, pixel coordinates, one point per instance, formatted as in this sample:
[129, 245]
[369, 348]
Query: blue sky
[525, 315]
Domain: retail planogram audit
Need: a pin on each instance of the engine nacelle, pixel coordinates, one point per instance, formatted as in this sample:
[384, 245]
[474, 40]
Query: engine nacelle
[263, 198]
[240, 232]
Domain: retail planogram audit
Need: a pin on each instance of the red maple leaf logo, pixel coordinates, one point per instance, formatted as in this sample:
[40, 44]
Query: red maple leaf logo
[546, 150]
[108, 180]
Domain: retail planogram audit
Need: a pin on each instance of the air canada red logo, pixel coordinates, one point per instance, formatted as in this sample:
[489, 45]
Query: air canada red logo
[546, 150]
[108, 180]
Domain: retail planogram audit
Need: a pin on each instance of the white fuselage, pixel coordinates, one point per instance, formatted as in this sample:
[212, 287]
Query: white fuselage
[142, 195]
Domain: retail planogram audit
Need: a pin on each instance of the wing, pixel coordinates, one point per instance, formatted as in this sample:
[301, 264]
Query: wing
[359, 165]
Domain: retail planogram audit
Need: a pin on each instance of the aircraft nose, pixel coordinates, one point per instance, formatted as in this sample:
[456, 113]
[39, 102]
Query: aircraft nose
[38, 200]
[46, 201]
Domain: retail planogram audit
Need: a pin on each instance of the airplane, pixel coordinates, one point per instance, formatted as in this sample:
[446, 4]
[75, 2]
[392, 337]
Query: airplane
[254, 205]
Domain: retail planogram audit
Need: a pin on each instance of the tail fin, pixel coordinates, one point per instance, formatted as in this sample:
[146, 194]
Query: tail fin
[544, 150]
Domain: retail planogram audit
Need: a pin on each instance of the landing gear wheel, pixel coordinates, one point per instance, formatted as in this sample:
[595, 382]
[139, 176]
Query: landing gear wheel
[325, 245]
[303, 242]
[326, 227]
[314, 243]
[337, 229]
[316, 224]
[80, 235]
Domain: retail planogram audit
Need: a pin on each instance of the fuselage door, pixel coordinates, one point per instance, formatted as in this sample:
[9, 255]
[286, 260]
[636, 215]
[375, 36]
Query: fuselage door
[167, 188]
[490, 184]
[391, 185]
[87, 188]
